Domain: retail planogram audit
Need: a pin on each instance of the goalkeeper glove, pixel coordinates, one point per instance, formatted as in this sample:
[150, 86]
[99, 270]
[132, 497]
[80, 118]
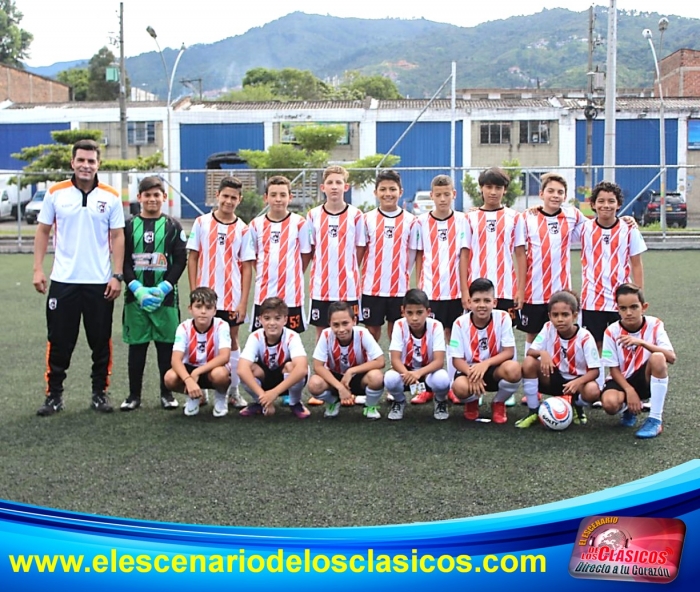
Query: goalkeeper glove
[147, 301]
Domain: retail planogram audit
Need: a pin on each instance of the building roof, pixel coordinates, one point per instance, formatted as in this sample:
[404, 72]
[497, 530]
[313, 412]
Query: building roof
[87, 105]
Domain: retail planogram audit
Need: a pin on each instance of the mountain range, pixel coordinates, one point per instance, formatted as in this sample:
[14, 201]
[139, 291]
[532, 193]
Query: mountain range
[547, 49]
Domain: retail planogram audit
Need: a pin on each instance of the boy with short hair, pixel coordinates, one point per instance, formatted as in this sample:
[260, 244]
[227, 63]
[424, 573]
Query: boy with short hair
[483, 353]
[348, 362]
[638, 351]
[279, 247]
[273, 362]
[417, 353]
[216, 260]
[392, 240]
[611, 254]
[201, 353]
[154, 259]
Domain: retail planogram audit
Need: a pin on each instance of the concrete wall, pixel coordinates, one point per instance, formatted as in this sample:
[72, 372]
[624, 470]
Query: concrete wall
[19, 86]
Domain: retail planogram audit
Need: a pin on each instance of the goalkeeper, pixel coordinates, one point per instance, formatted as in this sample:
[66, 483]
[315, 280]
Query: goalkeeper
[154, 259]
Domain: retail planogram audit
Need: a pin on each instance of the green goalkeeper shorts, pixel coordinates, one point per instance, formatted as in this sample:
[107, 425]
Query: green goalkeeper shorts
[140, 326]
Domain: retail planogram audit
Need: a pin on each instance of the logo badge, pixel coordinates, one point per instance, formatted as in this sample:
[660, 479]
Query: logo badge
[53, 303]
[148, 237]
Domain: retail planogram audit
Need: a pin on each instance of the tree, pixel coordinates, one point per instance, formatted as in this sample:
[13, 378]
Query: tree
[515, 187]
[79, 81]
[364, 171]
[377, 87]
[14, 41]
[318, 137]
[99, 89]
[50, 162]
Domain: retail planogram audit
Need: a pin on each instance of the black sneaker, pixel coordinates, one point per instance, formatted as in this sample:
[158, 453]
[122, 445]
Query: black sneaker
[168, 401]
[52, 405]
[100, 402]
[130, 404]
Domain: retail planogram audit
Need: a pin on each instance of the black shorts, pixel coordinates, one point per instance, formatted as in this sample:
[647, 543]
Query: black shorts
[295, 319]
[230, 317]
[356, 387]
[272, 378]
[638, 381]
[555, 388]
[507, 305]
[597, 321]
[377, 309]
[489, 379]
[446, 311]
[532, 318]
[203, 382]
[319, 311]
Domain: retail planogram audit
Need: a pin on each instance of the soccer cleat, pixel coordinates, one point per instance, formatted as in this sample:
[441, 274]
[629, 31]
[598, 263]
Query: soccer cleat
[597, 405]
[529, 420]
[205, 400]
[510, 401]
[220, 405]
[299, 410]
[192, 407]
[250, 410]
[628, 419]
[359, 399]
[284, 400]
[471, 410]
[100, 402]
[498, 413]
[580, 417]
[454, 399]
[651, 428]
[371, 412]
[314, 401]
[332, 409]
[397, 409]
[168, 401]
[235, 399]
[52, 405]
[440, 411]
[422, 398]
[130, 403]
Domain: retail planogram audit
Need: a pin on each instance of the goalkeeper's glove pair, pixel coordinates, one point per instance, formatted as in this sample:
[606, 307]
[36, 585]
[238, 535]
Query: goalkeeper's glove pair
[150, 299]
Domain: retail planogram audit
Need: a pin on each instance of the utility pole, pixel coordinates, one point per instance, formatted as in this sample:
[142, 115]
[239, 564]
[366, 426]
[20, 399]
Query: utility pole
[588, 183]
[610, 94]
[122, 88]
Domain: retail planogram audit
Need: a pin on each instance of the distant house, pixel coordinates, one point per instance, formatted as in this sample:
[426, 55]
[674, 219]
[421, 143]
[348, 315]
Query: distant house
[19, 86]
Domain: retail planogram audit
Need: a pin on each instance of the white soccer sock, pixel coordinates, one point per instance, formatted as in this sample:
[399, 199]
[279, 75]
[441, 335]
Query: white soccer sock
[439, 383]
[328, 397]
[295, 391]
[505, 390]
[233, 363]
[394, 385]
[450, 368]
[530, 386]
[658, 388]
[373, 396]
[250, 391]
[581, 403]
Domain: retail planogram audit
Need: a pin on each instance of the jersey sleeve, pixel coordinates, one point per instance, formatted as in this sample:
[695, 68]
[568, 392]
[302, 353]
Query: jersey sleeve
[311, 228]
[178, 249]
[507, 336]
[116, 215]
[419, 236]
[467, 231]
[590, 352]
[662, 339]
[578, 221]
[414, 235]
[305, 245]
[321, 349]
[250, 243]
[519, 227]
[180, 343]
[542, 341]
[396, 338]
[223, 335]
[361, 231]
[609, 358]
[438, 337]
[250, 351]
[371, 346]
[296, 347]
[637, 244]
[457, 349]
[47, 214]
[194, 241]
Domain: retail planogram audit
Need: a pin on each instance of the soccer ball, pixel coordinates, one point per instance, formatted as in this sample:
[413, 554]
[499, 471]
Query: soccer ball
[556, 413]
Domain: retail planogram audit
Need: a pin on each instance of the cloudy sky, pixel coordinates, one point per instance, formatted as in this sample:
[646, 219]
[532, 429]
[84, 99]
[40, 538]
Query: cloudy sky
[77, 29]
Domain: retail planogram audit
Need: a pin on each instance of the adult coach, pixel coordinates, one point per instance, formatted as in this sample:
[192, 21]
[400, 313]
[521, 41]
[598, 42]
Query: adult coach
[88, 222]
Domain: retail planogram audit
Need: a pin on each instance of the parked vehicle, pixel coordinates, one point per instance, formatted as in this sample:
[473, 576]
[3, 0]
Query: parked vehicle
[31, 212]
[422, 203]
[5, 205]
[676, 209]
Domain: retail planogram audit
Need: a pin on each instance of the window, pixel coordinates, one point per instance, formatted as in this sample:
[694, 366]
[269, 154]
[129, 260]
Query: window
[495, 132]
[530, 182]
[140, 133]
[534, 132]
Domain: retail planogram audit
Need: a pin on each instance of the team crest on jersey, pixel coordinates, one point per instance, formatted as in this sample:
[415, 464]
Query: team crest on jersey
[389, 232]
[201, 347]
[442, 234]
[315, 314]
[272, 359]
[553, 227]
[101, 206]
[524, 320]
[333, 230]
[53, 303]
[221, 238]
[490, 226]
[148, 237]
[564, 352]
[483, 343]
[275, 236]
[344, 360]
[606, 239]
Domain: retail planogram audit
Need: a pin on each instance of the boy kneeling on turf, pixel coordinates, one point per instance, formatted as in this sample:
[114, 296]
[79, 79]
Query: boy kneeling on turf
[417, 352]
[200, 355]
[562, 361]
[482, 346]
[638, 351]
[347, 362]
[273, 362]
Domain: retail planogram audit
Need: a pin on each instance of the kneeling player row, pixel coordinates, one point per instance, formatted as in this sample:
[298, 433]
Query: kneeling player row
[348, 362]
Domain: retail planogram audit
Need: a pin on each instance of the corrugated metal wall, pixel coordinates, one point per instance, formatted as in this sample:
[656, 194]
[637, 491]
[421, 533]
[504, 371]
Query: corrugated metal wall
[15, 136]
[199, 141]
[636, 143]
[426, 145]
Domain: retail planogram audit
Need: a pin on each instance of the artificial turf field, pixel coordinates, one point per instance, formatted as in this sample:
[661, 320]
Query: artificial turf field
[280, 471]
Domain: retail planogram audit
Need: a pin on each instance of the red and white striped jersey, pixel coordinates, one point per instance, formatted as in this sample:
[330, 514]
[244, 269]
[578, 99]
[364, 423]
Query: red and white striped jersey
[276, 249]
[200, 348]
[631, 359]
[492, 236]
[335, 275]
[338, 358]
[605, 261]
[220, 248]
[574, 356]
[390, 254]
[417, 352]
[549, 239]
[276, 355]
[472, 344]
[441, 242]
